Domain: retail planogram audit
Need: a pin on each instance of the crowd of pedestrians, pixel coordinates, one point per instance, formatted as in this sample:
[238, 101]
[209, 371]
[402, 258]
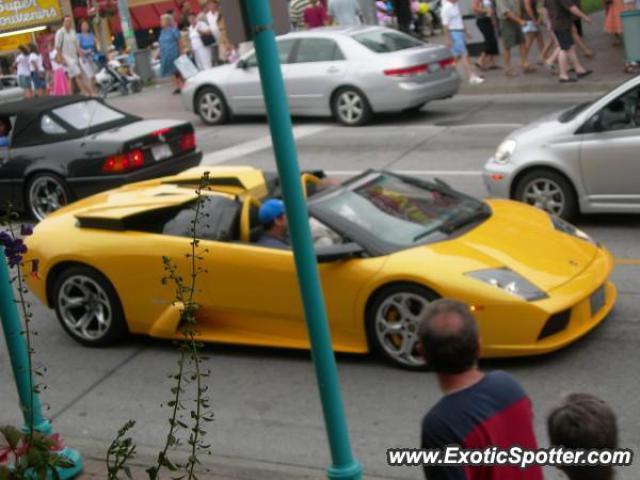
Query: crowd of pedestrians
[491, 409]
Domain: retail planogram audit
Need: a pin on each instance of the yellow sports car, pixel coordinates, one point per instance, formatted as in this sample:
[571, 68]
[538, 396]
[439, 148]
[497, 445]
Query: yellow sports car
[387, 244]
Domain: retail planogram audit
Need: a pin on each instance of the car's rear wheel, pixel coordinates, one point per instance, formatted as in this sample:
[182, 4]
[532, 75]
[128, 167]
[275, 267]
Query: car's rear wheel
[88, 307]
[46, 193]
[392, 323]
[212, 106]
[549, 191]
[351, 107]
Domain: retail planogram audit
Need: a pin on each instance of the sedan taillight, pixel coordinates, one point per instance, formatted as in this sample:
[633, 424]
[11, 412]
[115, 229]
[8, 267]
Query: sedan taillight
[406, 71]
[188, 142]
[447, 63]
[123, 162]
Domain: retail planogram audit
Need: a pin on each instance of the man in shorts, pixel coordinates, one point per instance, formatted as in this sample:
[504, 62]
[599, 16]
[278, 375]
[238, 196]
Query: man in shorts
[66, 44]
[456, 38]
[511, 23]
[562, 14]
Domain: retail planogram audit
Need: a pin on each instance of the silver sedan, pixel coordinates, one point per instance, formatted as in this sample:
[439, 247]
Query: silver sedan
[349, 73]
[585, 159]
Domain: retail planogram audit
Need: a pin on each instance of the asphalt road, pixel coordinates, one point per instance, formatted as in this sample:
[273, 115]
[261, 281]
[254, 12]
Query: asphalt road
[265, 401]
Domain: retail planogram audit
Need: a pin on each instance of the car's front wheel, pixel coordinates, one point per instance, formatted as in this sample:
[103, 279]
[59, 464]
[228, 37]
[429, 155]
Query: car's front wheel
[46, 193]
[351, 107]
[549, 191]
[212, 106]
[392, 322]
[88, 307]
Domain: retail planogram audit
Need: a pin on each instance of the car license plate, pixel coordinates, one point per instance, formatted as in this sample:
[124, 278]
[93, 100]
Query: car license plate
[597, 300]
[160, 152]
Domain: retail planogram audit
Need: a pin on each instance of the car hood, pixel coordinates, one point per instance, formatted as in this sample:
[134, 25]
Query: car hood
[546, 126]
[518, 237]
[214, 74]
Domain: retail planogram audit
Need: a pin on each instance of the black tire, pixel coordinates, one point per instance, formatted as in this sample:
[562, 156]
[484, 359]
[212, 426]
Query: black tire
[563, 202]
[382, 300]
[360, 112]
[95, 284]
[217, 111]
[37, 188]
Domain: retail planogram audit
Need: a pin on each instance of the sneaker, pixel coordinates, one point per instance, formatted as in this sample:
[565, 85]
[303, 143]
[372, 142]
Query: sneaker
[476, 80]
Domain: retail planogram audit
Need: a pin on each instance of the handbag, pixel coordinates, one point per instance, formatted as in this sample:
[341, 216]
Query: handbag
[207, 39]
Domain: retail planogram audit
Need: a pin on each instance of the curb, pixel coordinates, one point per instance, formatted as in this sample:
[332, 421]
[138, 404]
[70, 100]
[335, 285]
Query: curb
[490, 88]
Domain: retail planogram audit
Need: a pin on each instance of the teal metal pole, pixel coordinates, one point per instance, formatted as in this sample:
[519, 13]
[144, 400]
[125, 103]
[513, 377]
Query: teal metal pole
[17, 348]
[344, 465]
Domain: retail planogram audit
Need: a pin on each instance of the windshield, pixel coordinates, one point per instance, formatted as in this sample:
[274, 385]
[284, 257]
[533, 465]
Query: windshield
[401, 212]
[88, 114]
[383, 41]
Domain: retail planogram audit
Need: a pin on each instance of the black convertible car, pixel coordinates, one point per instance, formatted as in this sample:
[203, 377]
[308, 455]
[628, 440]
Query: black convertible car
[64, 148]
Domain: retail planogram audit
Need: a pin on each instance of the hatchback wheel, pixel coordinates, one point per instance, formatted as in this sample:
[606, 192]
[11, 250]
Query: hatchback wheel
[351, 107]
[46, 193]
[548, 191]
[88, 307]
[393, 320]
[212, 107]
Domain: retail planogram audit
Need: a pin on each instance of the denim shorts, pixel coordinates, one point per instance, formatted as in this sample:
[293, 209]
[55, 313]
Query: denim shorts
[24, 81]
[38, 80]
[458, 45]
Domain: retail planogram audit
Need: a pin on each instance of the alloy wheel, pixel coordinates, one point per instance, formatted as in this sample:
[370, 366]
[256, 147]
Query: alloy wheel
[46, 195]
[545, 194]
[84, 307]
[211, 107]
[350, 107]
[396, 327]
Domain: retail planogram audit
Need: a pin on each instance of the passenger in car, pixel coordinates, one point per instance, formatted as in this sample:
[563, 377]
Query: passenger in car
[5, 127]
[274, 223]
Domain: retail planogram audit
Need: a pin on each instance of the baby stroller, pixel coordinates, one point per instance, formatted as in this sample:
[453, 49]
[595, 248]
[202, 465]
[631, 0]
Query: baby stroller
[114, 77]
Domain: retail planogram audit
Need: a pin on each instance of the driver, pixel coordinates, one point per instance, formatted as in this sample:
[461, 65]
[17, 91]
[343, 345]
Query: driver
[274, 223]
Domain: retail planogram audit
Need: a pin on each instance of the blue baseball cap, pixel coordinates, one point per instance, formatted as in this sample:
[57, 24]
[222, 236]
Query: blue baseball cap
[270, 210]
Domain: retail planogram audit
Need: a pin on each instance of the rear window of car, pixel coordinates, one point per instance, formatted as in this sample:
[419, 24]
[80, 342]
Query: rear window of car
[384, 41]
[84, 115]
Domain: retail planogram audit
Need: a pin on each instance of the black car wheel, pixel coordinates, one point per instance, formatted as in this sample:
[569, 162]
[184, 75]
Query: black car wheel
[351, 107]
[212, 107]
[88, 307]
[392, 322]
[549, 191]
[46, 193]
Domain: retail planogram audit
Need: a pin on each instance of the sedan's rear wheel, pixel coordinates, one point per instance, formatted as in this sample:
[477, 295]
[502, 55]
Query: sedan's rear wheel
[211, 106]
[392, 322]
[46, 193]
[351, 107]
[88, 307]
[548, 191]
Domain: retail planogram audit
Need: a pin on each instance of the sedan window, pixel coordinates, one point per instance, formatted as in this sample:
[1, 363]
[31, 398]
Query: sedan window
[88, 114]
[383, 41]
[318, 50]
[51, 127]
[284, 52]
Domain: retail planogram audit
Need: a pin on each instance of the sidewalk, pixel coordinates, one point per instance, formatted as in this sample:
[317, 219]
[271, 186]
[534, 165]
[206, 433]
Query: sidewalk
[607, 66]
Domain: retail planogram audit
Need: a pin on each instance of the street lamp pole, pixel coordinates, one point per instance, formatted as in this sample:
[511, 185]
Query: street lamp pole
[125, 24]
[17, 348]
[258, 15]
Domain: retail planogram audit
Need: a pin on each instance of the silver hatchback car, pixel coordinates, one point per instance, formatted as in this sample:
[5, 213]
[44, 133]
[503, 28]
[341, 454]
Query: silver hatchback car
[348, 72]
[585, 159]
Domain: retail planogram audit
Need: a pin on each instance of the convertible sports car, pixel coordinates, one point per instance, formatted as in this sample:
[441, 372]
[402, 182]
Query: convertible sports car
[387, 245]
[64, 148]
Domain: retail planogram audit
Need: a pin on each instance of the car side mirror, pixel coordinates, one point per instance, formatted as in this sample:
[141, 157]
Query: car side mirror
[341, 251]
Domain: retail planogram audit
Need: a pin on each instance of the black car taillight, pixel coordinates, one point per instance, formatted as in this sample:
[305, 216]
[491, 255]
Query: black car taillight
[555, 324]
[188, 142]
[123, 162]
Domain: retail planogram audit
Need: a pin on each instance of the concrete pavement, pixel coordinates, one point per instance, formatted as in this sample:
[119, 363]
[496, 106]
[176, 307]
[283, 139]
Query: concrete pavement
[268, 419]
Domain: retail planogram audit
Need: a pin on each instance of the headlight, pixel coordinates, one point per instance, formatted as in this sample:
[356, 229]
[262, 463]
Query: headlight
[565, 227]
[509, 281]
[504, 151]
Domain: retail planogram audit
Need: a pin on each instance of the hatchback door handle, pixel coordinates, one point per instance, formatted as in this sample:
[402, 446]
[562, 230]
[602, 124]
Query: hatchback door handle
[333, 70]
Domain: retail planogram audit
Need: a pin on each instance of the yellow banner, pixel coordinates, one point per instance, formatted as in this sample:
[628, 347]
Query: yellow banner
[11, 43]
[18, 14]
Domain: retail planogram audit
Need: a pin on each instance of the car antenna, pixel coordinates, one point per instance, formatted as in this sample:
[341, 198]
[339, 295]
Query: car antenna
[86, 130]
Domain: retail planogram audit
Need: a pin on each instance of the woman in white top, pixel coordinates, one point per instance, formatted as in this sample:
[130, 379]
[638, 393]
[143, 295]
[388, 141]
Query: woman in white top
[38, 73]
[201, 52]
[59, 81]
[23, 70]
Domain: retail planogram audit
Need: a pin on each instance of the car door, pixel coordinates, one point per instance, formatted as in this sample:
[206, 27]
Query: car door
[244, 81]
[609, 156]
[317, 67]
